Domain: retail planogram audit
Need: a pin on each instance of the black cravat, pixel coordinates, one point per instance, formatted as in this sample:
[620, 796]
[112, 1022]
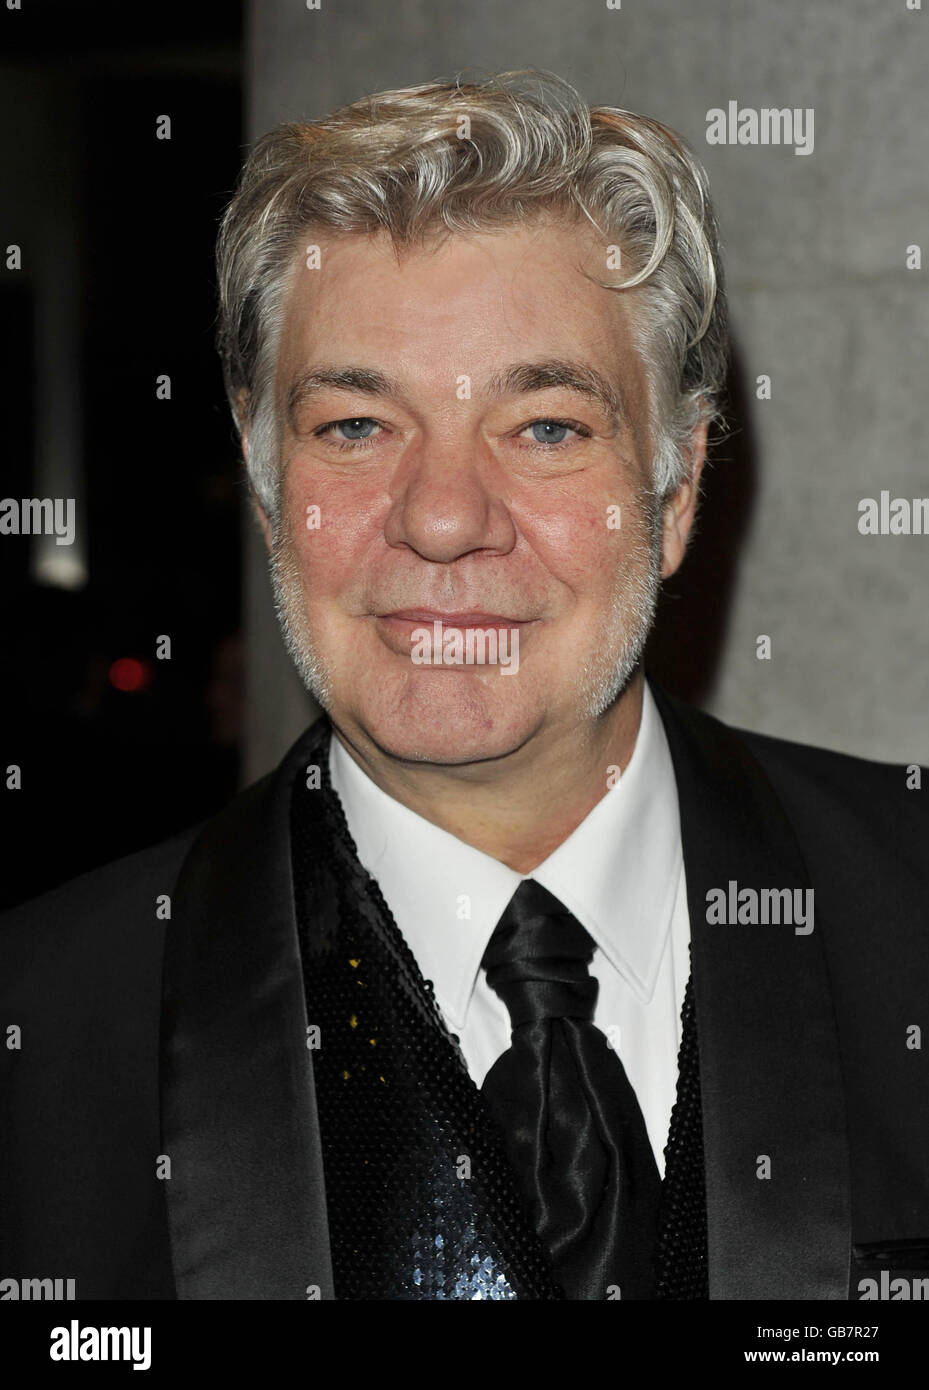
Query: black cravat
[573, 1127]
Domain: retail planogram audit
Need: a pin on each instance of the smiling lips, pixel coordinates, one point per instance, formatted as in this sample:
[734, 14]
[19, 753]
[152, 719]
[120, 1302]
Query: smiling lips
[421, 616]
[397, 628]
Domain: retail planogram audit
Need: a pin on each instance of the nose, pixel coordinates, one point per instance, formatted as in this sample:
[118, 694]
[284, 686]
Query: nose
[448, 502]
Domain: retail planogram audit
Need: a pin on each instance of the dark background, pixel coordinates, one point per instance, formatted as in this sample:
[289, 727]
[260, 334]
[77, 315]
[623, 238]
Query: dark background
[107, 770]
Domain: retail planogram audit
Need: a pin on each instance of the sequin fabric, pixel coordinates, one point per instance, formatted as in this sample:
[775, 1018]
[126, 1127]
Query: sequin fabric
[421, 1199]
[682, 1239]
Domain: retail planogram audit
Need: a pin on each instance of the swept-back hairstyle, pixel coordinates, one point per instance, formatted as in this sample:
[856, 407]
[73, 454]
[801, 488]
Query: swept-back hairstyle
[464, 157]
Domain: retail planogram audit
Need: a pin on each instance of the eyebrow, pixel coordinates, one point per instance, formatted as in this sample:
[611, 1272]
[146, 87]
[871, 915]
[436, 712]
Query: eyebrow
[519, 379]
[362, 379]
[523, 377]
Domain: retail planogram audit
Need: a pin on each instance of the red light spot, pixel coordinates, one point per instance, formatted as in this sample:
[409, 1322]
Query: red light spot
[129, 674]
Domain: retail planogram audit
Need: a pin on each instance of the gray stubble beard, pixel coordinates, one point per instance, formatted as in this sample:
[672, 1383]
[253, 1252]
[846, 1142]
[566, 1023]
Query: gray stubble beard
[291, 616]
[631, 616]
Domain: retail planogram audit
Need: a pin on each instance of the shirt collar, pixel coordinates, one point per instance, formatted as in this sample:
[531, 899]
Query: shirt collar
[617, 872]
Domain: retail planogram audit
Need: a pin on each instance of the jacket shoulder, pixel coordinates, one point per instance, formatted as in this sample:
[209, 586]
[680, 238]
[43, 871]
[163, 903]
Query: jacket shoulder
[850, 814]
[842, 771]
[848, 798]
[98, 908]
[81, 979]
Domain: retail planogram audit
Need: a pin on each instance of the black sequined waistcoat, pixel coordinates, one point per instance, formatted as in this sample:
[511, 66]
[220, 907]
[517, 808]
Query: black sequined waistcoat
[421, 1199]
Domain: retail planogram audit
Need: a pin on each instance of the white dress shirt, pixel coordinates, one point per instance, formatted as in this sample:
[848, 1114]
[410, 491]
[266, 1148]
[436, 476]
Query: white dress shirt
[621, 873]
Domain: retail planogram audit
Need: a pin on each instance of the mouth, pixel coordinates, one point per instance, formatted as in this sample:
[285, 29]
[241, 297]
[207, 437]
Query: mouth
[397, 628]
[425, 617]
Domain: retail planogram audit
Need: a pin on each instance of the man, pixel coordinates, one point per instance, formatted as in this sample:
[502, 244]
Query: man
[517, 978]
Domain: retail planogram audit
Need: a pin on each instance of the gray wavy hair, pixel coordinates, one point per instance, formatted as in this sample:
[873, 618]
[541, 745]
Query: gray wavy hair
[475, 157]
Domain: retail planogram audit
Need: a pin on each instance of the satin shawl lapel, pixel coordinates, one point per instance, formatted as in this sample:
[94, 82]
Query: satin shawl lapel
[769, 1063]
[246, 1203]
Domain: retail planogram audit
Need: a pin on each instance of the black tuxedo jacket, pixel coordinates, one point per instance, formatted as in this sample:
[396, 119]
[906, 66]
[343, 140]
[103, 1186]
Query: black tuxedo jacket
[142, 1039]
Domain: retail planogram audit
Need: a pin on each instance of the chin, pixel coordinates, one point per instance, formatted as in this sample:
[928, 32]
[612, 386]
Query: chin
[448, 718]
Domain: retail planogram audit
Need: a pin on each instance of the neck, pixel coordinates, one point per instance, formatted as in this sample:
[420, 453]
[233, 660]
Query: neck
[520, 808]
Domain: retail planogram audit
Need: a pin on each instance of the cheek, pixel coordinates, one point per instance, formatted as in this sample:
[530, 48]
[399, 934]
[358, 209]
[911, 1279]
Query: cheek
[329, 528]
[582, 542]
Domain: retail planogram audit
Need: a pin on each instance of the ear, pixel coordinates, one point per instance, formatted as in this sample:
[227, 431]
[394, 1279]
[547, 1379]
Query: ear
[262, 518]
[681, 507]
[260, 514]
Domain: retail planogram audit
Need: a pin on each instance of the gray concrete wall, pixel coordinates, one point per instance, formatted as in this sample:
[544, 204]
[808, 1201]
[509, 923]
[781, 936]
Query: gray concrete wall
[821, 301]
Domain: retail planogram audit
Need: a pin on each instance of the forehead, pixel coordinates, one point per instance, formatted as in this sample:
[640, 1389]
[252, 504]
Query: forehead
[465, 303]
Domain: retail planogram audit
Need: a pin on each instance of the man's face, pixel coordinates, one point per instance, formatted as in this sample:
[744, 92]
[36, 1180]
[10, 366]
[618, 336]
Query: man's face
[446, 490]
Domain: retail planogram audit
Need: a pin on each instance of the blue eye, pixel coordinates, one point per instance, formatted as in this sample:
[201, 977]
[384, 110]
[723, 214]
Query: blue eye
[358, 427]
[549, 431]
